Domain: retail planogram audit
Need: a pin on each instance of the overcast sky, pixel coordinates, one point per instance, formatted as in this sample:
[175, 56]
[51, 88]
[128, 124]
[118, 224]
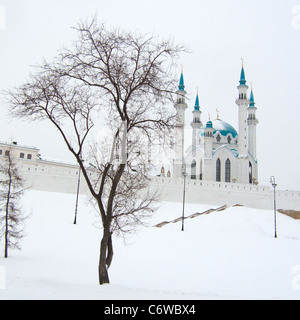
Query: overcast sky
[266, 33]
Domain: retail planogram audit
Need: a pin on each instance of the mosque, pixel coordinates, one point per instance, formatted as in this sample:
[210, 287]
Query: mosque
[217, 151]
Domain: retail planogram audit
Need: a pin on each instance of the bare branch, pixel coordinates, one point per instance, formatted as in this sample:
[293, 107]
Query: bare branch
[118, 77]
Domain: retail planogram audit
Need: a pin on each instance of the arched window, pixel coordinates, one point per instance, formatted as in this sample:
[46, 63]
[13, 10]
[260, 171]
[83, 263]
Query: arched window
[200, 169]
[227, 171]
[193, 170]
[218, 170]
[250, 172]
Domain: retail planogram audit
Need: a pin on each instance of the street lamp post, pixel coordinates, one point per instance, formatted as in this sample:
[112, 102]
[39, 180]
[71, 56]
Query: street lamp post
[77, 196]
[274, 185]
[184, 173]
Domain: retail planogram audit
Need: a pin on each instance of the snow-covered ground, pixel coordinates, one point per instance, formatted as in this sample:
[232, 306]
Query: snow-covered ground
[230, 254]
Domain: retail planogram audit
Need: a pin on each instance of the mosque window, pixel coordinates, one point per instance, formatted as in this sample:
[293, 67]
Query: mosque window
[218, 138]
[22, 155]
[218, 170]
[193, 170]
[201, 169]
[227, 170]
[229, 139]
[0, 152]
[6, 153]
[250, 172]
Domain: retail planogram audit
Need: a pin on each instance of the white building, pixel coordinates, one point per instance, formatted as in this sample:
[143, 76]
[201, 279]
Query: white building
[40, 174]
[218, 152]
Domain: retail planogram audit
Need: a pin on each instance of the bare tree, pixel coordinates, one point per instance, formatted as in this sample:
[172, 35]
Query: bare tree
[125, 82]
[11, 190]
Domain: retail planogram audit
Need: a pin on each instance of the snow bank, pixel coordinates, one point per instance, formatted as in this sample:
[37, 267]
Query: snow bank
[230, 254]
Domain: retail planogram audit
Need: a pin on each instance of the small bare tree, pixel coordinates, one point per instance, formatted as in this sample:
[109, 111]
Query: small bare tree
[125, 82]
[11, 190]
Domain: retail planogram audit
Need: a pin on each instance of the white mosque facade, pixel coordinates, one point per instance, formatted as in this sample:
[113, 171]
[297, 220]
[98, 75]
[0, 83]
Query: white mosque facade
[218, 152]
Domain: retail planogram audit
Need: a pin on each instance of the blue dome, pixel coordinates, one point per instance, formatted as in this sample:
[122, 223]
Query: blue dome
[221, 126]
[224, 128]
[209, 124]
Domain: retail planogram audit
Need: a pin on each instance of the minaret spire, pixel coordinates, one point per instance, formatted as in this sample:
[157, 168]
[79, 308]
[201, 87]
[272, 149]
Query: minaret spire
[197, 105]
[252, 103]
[181, 81]
[243, 77]
[196, 124]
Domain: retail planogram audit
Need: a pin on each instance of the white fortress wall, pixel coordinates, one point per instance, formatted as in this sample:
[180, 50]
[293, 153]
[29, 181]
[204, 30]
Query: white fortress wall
[62, 177]
[220, 193]
[59, 177]
[53, 176]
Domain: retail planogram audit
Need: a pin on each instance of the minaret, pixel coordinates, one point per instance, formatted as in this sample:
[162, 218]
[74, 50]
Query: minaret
[180, 107]
[207, 169]
[208, 139]
[243, 104]
[196, 124]
[252, 122]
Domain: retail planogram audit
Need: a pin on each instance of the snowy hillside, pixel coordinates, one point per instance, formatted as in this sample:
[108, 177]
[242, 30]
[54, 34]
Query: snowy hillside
[230, 254]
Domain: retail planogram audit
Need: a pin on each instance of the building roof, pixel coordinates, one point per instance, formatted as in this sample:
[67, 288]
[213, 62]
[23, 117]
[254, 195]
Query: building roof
[16, 145]
[243, 77]
[223, 127]
[209, 124]
[181, 83]
[233, 151]
[197, 105]
[252, 103]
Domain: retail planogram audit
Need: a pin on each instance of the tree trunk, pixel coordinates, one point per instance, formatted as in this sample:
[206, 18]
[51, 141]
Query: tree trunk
[103, 268]
[6, 237]
[7, 210]
[110, 251]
